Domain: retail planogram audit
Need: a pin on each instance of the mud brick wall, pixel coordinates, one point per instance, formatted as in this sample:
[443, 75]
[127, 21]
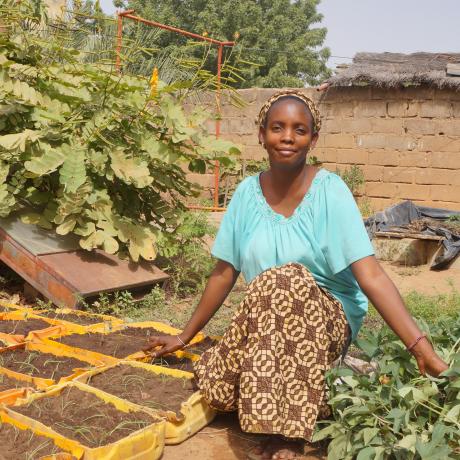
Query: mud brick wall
[407, 141]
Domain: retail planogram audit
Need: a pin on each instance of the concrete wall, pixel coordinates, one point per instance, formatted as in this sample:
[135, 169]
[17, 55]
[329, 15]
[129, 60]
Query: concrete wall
[406, 141]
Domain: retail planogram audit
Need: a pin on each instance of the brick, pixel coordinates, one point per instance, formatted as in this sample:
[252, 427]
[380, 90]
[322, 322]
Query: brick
[356, 125]
[452, 205]
[449, 160]
[338, 109]
[253, 153]
[447, 94]
[331, 126]
[419, 159]
[242, 126]
[399, 175]
[435, 176]
[436, 109]
[439, 144]
[413, 109]
[413, 192]
[204, 180]
[352, 156]
[397, 108]
[379, 204]
[330, 166]
[384, 158]
[371, 109]
[381, 190]
[386, 141]
[417, 92]
[387, 125]
[449, 127]
[345, 141]
[456, 109]
[373, 173]
[350, 93]
[444, 193]
[326, 155]
[419, 126]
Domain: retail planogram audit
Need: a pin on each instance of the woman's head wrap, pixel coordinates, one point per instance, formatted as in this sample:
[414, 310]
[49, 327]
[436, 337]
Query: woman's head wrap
[292, 93]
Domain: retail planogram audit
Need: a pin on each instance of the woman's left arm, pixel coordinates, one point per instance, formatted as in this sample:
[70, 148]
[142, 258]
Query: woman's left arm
[385, 297]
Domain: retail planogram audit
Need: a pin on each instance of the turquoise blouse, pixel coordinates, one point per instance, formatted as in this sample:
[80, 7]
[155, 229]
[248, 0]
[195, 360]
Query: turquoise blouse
[325, 233]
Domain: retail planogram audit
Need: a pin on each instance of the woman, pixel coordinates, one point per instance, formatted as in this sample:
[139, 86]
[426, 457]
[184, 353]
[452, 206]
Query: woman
[297, 235]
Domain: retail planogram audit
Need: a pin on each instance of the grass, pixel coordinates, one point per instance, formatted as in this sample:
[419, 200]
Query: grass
[431, 308]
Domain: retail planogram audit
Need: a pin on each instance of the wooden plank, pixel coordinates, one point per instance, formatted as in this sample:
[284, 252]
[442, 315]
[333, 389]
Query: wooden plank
[419, 236]
[453, 69]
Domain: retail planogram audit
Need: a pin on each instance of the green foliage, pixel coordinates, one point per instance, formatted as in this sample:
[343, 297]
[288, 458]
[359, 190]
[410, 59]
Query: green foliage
[277, 43]
[353, 177]
[88, 151]
[395, 413]
[184, 256]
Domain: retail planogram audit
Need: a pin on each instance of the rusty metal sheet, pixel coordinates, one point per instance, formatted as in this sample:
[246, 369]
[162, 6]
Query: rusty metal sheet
[37, 240]
[93, 272]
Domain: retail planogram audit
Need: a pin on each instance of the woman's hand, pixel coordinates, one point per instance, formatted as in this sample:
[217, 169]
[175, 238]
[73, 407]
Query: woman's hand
[427, 360]
[166, 343]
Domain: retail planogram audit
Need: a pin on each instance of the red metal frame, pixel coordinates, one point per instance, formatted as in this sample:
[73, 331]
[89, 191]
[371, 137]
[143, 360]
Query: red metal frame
[128, 14]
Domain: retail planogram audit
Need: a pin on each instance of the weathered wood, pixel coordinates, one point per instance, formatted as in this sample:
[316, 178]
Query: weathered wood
[419, 236]
[453, 69]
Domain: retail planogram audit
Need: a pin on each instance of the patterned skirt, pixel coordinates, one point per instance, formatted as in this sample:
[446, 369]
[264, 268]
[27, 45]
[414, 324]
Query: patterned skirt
[271, 362]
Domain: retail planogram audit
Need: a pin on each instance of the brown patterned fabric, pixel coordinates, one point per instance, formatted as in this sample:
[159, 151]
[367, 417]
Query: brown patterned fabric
[271, 362]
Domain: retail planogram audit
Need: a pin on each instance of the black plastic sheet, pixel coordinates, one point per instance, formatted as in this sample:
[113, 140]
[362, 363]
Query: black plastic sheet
[398, 217]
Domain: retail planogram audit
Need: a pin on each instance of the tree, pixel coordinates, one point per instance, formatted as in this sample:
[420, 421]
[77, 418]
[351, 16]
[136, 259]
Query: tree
[86, 150]
[277, 37]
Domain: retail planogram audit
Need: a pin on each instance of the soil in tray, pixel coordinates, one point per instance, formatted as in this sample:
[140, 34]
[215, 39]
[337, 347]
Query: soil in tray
[122, 344]
[119, 344]
[73, 318]
[24, 444]
[84, 417]
[43, 365]
[22, 327]
[7, 383]
[139, 386]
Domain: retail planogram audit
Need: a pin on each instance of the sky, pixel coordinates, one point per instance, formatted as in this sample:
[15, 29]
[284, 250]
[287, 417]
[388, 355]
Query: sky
[403, 26]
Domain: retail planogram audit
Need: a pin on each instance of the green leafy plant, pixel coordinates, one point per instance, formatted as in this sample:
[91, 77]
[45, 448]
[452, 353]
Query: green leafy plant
[88, 151]
[353, 177]
[395, 413]
[184, 255]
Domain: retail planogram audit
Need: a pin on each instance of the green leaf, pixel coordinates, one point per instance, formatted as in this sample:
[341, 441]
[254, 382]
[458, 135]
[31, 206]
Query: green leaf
[73, 171]
[369, 434]
[19, 141]
[48, 162]
[130, 170]
[67, 226]
[368, 453]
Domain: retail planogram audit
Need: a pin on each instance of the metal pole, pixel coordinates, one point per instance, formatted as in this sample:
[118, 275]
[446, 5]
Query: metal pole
[119, 36]
[219, 113]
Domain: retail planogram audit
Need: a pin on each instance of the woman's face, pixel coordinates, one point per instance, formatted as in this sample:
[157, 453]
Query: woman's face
[287, 134]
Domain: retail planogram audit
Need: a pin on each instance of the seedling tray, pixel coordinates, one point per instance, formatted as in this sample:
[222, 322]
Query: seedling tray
[121, 343]
[56, 412]
[22, 444]
[169, 393]
[14, 386]
[20, 325]
[26, 364]
[81, 322]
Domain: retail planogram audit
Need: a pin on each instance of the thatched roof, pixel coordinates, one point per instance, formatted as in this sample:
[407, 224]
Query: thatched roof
[394, 70]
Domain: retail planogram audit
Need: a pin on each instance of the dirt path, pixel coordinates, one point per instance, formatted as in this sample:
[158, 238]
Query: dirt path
[422, 279]
[222, 440]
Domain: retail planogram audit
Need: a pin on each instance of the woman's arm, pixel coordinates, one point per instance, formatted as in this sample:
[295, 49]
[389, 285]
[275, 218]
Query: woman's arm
[385, 297]
[219, 285]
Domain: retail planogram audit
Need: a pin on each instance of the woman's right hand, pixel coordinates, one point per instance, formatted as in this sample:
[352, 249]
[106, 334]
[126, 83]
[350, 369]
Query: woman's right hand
[164, 343]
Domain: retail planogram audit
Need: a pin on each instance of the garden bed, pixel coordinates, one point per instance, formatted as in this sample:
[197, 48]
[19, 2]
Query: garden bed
[22, 327]
[85, 418]
[202, 346]
[37, 364]
[8, 383]
[19, 444]
[84, 320]
[139, 386]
